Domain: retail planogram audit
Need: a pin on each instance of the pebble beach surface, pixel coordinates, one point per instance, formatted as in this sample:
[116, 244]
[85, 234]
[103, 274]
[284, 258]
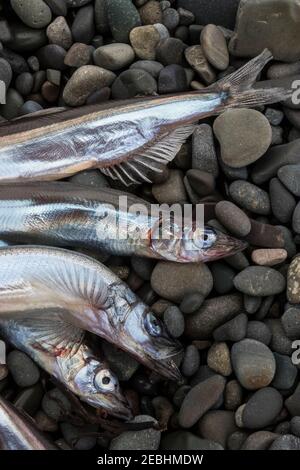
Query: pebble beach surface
[237, 318]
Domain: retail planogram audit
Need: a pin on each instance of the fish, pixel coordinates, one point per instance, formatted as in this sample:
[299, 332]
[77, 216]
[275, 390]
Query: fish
[69, 215]
[34, 280]
[130, 141]
[17, 430]
[68, 357]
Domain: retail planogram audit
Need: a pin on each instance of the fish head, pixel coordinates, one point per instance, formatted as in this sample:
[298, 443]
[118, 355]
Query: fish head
[194, 244]
[98, 386]
[145, 337]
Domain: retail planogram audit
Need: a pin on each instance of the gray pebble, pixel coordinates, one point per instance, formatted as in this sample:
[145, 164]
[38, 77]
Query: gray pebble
[262, 408]
[283, 202]
[24, 83]
[5, 72]
[122, 18]
[23, 370]
[233, 330]
[183, 440]
[191, 361]
[14, 102]
[132, 83]
[123, 365]
[55, 404]
[286, 442]
[148, 439]
[204, 153]
[233, 218]
[260, 281]
[83, 28]
[35, 14]
[259, 331]
[172, 79]
[151, 66]
[114, 56]
[286, 372]
[191, 303]
[289, 175]
[250, 197]
[174, 321]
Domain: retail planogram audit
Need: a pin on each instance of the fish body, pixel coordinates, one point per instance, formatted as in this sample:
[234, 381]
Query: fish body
[67, 357]
[128, 141]
[64, 214]
[35, 281]
[17, 431]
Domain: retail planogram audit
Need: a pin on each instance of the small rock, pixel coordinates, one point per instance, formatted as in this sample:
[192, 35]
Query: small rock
[269, 257]
[101, 17]
[233, 330]
[291, 322]
[122, 17]
[253, 364]
[274, 116]
[23, 370]
[5, 72]
[132, 83]
[233, 395]
[295, 426]
[29, 399]
[223, 276]
[251, 303]
[55, 404]
[186, 17]
[114, 56]
[217, 425]
[214, 46]
[35, 14]
[260, 281]
[218, 359]
[170, 51]
[250, 197]
[174, 281]
[78, 55]
[197, 60]
[283, 202]
[289, 175]
[83, 27]
[58, 7]
[262, 408]
[191, 303]
[14, 102]
[286, 442]
[286, 372]
[44, 423]
[174, 321]
[151, 66]
[233, 218]
[84, 81]
[77, 437]
[52, 56]
[260, 440]
[191, 361]
[200, 399]
[259, 331]
[24, 83]
[170, 18]
[183, 440]
[172, 190]
[147, 439]
[280, 343]
[172, 79]
[58, 32]
[151, 13]
[293, 281]
[145, 39]
[204, 153]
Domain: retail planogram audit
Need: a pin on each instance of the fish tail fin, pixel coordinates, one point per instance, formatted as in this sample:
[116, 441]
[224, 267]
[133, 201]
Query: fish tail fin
[237, 87]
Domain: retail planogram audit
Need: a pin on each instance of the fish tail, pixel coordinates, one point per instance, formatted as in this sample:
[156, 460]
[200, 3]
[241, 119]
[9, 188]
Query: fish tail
[237, 87]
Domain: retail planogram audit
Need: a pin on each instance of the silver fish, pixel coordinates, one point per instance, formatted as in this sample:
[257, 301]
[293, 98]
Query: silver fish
[17, 431]
[64, 214]
[34, 281]
[128, 141]
[60, 349]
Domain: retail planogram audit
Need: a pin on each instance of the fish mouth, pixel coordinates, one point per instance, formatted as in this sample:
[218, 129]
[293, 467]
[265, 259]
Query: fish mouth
[116, 405]
[166, 367]
[224, 246]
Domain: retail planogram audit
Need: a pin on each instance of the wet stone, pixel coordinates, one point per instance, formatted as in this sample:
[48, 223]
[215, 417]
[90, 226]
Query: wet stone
[233, 218]
[282, 201]
[214, 47]
[218, 359]
[286, 372]
[172, 79]
[151, 12]
[191, 361]
[58, 32]
[174, 321]
[293, 281]
[114, 56]
[23, 370]
[145, 40]
[250, 197]
[197, 60]
[204, 154]
[122, 18]
[262, 408]
[78, 55]
[132, 83]
[259, 331]
[260, 281]
[233, 330]
[147, 439]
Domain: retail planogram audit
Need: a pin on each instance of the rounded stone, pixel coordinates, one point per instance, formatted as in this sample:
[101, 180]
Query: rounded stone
[5, 72]
[218, 359]
[172, 79]
[217, 425]
[244, 136]
[191, 303]
[23, 370]
[174, 281]
[191, 361]
[286, 372]
[200, 399]
[122, 17]
[172, 190]
[283, 202]
[260, 281]
[214, 46]
[174, 321]
[250, 197]
[151, 12]
[78, 55]
[144, 40]
[170, 18]
[233, 218]
[84, 82]
[204, 156]
[170, 51]
[146, 439]
[83, 26]
[253, 364]
[151, 66]
[197, 60]
[259, 331]
[132, 83]
[35, 14]
[289, 175]
[114, 56]
[293, 281]
[24, 83]
[262, 408]
[269, 257]
[58, 32]
[52, 56]
[233, 330]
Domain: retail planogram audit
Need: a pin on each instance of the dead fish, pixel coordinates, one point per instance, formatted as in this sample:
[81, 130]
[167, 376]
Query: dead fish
[128, 141]
[17, 430]
[34, 281]
[65, 214]
[61, 350]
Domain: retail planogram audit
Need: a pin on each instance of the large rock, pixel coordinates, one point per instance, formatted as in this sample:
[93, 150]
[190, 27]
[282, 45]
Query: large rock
[272, 24]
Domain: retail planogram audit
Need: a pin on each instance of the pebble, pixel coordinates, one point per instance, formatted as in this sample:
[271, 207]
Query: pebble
[52, 56]
[23, 370]
[233, 395]
[174, 281]
[170, 51]
[17, 62]
[191, 361]
[5, 31]
[286, 442]
[151, 13]
[191, 303]
[204, 156]
[58, 7]
[212, 11]
[197, 60]
[29, 399]
[170, 18]
[172, 79]
[84, 81]
[145, 39]
[269, 257]
[123, 365]
[280, 342]
[251, 303]
[58, 32]
[289, 175]
[24, 83]
[291, 322]
[262, 408]
[200, 399]
[253, 364]
[55, 404]
[147, 439]
[233, 330]
[223, 276]
[151, 66]
[282, 201]
[143, 267]
[132, 83]
[184, 440]
[244, 135]
[296, 219]
[295, 426]
[202, 182]
[293, 281]
[257, 27]
[274, 116]
[101, 17]
[5, 72]
[114, 56]
[83, 26]
[260, 281]
[259, 331]
[250, 197]
[214, 46]
[286, 372]
[14, 102]
[44, 423]
[174, 321]
[233, 218]
[213, 313]
[186, 17]
[218, 359]
[260, 440]
[75, 436]
[122, 18]
[180, 394]
[78, 55]
[172, 190]
[236, 440]
[35, 14]
[217, 425]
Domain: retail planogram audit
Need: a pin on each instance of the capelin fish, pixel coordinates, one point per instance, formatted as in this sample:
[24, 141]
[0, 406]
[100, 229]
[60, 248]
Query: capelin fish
[129, 141]
[64, 214]
[34, 281]
[61, 350]
[17, 430]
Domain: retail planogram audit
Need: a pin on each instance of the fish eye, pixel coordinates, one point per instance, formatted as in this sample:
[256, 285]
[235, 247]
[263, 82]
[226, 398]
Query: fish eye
[104, 381]
[208, 238]
[152, 325]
